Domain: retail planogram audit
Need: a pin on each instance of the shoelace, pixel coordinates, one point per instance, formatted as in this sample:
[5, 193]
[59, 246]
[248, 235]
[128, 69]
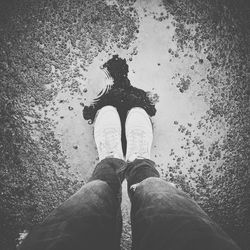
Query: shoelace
[111, 141]
[137, 143]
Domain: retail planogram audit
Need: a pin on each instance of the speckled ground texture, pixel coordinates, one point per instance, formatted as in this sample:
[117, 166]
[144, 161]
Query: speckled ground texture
[197, 55]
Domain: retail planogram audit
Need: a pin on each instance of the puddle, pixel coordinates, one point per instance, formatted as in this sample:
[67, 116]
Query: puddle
[187, 141]
[176, 79]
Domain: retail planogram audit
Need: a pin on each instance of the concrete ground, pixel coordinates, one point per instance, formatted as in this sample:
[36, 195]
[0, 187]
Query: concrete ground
[192, 58]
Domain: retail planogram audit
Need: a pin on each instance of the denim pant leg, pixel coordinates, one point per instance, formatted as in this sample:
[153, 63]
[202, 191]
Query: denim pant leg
[90, 219]
[164, 217]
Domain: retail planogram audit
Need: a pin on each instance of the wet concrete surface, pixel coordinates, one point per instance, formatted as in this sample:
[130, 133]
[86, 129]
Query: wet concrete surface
[192, 56]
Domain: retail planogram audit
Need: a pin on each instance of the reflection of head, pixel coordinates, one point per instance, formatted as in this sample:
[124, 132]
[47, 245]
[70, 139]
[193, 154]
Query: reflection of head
[118, 70]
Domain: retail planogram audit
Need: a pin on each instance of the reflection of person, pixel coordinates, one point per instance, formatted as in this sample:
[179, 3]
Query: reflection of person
[162, 216]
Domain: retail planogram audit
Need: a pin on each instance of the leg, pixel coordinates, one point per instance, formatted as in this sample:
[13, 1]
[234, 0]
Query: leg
[162, 216]
[90, 219]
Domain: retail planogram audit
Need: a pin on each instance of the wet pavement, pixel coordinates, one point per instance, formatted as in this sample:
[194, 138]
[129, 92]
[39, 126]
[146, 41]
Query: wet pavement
[191, 58]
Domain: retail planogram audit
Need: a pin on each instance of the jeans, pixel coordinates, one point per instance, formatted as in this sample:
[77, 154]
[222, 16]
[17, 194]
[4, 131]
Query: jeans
[162, 217]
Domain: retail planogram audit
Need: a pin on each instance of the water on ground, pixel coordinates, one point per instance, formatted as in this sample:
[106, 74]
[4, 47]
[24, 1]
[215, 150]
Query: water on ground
[192, 59]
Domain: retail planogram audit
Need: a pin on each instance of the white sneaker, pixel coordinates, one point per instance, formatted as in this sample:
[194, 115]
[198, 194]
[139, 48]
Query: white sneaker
[107, 133]
[139, 134]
